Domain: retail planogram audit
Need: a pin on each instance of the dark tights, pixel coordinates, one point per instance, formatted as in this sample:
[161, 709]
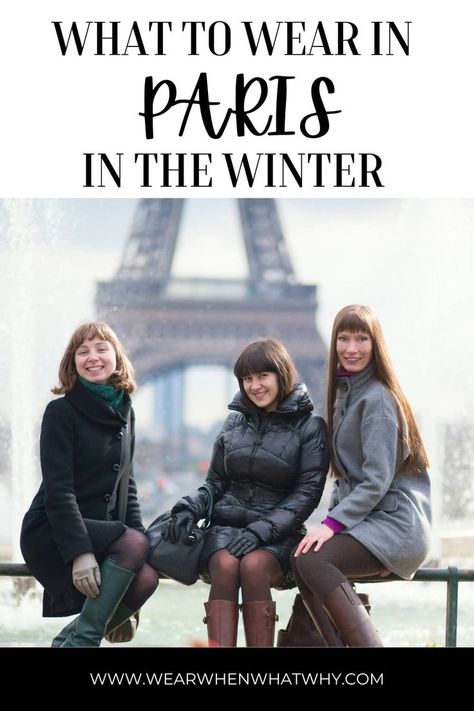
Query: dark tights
[131, 551]
[340, 558]
[255, 573]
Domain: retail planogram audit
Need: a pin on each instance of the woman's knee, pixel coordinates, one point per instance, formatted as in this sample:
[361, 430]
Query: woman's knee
[138, 540]
[251, 567]
[223, 564]
[260, 564]
[148, 579]
[133, 545]
[306, 563]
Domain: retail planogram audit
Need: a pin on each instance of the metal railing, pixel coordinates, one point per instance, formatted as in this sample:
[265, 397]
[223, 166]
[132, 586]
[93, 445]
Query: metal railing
[452, 576]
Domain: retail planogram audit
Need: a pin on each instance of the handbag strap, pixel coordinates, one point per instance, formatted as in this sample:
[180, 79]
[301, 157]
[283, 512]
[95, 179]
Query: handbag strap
[123, 477]
[210, 504]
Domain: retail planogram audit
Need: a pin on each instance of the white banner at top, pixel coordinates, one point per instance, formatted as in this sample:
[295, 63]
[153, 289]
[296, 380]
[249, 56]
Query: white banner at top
[146, 99]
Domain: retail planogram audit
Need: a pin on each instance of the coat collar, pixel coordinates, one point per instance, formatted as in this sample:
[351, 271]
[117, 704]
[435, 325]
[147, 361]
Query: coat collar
[298, 402]
[355, 383]
[96, 408]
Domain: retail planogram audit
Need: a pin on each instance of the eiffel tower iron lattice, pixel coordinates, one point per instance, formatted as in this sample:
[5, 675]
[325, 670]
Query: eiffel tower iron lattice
[169, 324]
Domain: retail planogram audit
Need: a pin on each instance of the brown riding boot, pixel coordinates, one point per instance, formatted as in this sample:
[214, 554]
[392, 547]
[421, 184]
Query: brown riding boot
[350, 617]
[222, 617]
[300, 630]
[259, 622]
[330, 635]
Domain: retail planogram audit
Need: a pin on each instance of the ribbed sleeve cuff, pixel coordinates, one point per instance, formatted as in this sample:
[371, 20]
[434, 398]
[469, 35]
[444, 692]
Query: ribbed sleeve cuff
[333, 524]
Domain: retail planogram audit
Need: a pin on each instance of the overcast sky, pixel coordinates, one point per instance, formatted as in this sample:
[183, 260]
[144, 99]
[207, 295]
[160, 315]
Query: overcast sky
[411, 260]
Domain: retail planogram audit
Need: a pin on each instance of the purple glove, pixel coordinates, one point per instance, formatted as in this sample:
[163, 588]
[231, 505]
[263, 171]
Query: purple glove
[246, 543]
[184, 520]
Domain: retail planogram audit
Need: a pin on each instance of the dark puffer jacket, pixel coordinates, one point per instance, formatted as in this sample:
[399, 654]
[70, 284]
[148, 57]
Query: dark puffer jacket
[267, 473]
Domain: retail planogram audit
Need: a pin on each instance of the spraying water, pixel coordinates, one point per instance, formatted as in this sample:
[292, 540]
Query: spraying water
[20, 224]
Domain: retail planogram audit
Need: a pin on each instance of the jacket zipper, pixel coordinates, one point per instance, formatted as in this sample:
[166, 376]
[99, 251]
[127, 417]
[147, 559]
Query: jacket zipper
[258, 441]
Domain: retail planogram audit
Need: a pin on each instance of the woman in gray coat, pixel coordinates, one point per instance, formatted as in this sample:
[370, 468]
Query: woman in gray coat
[267, 474]
[380, 512]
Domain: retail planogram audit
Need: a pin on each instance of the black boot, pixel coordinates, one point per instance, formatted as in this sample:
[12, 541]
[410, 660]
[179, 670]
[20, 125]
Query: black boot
[350, 617]
[90, 626]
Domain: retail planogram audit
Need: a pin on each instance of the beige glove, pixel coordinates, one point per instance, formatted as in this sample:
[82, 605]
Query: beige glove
[86, 574]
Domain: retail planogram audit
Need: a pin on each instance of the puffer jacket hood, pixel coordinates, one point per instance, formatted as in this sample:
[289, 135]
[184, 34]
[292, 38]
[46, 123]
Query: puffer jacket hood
[298, 402]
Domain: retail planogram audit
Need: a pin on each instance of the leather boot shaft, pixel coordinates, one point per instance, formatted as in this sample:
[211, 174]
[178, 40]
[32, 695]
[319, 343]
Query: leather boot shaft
[329, 633]
[121, 614]
[350, 617]
[259, 622]
[91, 624]
[222, 618]
[300, 631]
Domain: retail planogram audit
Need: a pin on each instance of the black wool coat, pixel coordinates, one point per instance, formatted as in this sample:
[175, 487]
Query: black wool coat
[80, 452]
[267, 472]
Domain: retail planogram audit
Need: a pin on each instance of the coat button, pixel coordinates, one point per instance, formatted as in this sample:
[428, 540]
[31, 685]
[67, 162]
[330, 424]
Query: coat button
[119, 435]
[107, 497]
[116, 467]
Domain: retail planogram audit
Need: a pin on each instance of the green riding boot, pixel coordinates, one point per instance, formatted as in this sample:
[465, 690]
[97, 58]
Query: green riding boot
[89, 628]
[121, 614]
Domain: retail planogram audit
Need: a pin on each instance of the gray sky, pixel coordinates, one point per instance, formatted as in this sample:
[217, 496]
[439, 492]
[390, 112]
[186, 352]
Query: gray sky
[411, 260]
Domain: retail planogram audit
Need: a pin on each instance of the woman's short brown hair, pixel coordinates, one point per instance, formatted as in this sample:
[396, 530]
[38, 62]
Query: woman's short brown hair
[266, 355]
[122, 378]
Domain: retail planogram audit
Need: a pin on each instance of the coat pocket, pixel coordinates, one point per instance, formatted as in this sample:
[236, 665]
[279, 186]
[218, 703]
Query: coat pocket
[389, 503]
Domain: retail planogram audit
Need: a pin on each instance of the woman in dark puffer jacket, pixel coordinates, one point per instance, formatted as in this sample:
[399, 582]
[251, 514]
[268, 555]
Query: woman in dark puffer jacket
[267, 474]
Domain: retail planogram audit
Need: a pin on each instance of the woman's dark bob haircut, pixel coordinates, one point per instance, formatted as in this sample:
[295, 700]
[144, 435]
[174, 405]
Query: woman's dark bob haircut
[266, 355]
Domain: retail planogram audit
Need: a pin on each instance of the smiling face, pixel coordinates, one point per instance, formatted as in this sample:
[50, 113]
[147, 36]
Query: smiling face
[354, 350]
[96, 360]
[262, 389]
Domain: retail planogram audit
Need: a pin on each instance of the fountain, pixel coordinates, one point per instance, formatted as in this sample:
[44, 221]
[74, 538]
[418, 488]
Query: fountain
[18, 325]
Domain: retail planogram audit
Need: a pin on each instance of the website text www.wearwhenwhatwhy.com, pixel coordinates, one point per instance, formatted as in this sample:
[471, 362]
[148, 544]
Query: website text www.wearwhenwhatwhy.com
[236, 679]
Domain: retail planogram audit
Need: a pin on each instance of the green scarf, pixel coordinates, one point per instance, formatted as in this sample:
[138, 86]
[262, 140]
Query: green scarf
[107, 392]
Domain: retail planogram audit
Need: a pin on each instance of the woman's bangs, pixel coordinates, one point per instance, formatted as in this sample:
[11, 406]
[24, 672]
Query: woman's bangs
[353, 322]
[254, 361]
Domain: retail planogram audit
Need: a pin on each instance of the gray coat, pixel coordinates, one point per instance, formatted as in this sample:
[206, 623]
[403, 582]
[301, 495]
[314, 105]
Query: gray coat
[387, 510]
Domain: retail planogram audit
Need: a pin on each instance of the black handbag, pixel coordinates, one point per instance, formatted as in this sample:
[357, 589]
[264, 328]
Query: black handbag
[179, 560]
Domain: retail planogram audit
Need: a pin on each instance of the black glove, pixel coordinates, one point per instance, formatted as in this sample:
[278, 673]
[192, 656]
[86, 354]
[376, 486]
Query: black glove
[183, 520]
[246, 543]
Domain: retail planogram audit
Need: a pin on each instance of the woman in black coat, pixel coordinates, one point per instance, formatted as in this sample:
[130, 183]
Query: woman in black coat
[72, 538]
[267, 474]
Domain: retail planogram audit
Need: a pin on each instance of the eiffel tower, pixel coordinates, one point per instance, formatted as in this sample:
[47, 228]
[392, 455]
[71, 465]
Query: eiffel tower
[169, 324]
